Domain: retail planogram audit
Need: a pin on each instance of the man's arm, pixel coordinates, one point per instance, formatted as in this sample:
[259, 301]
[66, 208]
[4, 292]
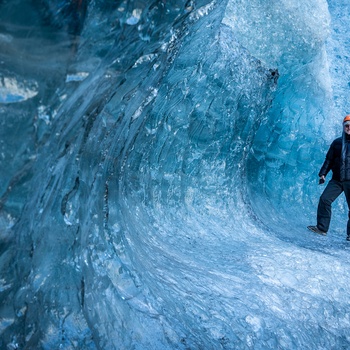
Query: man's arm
[327, 165]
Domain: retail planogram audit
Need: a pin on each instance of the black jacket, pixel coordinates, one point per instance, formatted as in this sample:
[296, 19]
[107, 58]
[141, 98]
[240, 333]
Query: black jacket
[333, 161]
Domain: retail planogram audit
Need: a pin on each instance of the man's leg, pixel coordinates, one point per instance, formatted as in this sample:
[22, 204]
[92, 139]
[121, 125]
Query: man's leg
[324, 210]
[346, 186]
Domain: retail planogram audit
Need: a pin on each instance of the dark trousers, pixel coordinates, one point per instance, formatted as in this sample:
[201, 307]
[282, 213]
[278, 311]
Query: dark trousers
[329, 195]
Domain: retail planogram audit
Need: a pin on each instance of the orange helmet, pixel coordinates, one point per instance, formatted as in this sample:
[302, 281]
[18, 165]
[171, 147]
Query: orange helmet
[347, 118]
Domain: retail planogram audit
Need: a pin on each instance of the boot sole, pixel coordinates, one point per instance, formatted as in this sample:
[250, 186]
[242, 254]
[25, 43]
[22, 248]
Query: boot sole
[316, 230]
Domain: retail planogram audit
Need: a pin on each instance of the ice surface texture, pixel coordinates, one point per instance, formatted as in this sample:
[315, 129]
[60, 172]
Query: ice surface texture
[158, 168]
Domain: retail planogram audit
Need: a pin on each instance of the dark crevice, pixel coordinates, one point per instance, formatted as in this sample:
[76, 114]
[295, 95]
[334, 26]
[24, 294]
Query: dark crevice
[68, 195]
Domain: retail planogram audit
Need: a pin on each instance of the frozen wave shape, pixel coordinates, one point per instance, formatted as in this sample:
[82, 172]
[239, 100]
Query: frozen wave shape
[13, 90]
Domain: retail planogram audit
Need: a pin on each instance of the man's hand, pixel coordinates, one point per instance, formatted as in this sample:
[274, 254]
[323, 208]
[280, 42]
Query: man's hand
[321, 180]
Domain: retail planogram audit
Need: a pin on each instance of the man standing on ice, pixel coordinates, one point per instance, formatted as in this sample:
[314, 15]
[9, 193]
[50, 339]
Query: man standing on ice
[337, 160]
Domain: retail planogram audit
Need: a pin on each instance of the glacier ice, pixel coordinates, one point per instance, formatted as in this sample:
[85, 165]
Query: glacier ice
[158, 167]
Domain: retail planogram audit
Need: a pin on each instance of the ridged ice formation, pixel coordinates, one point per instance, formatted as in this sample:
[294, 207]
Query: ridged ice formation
[158, 167]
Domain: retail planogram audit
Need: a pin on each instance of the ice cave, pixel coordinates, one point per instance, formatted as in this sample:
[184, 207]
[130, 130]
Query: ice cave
[158, 169]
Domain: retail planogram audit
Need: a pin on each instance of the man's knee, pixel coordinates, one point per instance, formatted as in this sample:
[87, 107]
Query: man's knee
[326, 200]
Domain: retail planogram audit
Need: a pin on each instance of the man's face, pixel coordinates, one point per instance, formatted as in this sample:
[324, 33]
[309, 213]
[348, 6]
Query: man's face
[347, 128]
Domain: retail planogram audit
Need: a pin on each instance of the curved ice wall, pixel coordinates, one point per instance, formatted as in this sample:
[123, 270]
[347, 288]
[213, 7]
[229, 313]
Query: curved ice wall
[159, 165]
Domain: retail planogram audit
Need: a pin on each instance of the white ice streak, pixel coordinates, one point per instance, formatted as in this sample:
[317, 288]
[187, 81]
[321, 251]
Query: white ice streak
[144, 59]
[202, 11]
[79, 76]
[135, 17]
[14, 90]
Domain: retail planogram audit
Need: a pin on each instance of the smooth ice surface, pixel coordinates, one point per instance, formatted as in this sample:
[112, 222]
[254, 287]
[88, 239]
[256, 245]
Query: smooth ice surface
[158, 168]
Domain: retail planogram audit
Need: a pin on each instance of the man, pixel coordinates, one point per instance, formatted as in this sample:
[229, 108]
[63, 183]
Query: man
[337, 160]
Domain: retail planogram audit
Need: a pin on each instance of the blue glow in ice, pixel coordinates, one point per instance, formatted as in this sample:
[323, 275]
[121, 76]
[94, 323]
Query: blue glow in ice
[159, 199]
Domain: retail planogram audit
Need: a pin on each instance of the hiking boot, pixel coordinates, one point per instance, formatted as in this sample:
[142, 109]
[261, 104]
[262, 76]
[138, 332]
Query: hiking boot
[317, 230]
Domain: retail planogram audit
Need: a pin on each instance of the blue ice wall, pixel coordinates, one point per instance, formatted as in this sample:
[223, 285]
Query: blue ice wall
[158, 167]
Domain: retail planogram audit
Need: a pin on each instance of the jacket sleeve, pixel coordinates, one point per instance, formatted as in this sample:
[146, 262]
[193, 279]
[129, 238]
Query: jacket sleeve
[327, 165]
